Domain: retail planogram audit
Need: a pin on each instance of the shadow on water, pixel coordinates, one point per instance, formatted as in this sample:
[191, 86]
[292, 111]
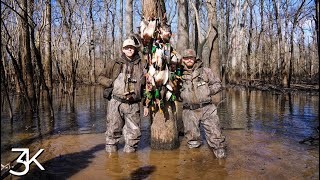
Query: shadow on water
[141, 173]
[63, 167]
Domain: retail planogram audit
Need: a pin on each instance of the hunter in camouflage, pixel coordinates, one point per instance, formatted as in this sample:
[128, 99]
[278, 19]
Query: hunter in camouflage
[199, 84]
[123, 80]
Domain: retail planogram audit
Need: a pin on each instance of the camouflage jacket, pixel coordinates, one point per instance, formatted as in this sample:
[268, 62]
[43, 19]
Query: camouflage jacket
[199, 84]
[124, 76]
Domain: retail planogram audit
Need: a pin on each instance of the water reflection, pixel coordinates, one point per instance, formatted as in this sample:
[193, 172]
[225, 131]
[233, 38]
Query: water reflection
[261, 121]
[87, 116]
[292, 115]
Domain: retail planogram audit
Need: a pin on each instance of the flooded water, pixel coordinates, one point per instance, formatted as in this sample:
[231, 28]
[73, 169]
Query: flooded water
[263, 131]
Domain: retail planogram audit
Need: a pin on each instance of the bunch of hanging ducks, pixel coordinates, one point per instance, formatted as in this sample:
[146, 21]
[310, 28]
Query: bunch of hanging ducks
[162, 72]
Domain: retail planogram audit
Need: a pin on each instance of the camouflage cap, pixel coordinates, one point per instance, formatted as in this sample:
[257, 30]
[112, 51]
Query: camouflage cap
[129, 42]
[189, 53]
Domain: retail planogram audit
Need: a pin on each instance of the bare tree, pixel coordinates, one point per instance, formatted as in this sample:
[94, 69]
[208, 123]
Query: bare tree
[48, 53]
[27, 66]
[196, 31]
[261, 66]
[183, 25]
[282, 69]
[202, 39]
[106, 44]
[41, 79]
[317, 22]
[249, 47]
[294, 24]
[113, 32]
[67, 23]
[92, 46]
[236, 39]
[121, 23]
[164, 132]
[224, 27]
[129, 17]
[213, 40]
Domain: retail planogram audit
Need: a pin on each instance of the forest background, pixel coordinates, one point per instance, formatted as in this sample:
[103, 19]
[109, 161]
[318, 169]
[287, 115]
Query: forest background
[265, 44]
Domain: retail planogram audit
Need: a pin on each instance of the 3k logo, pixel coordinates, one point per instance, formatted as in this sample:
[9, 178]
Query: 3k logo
[27, 161]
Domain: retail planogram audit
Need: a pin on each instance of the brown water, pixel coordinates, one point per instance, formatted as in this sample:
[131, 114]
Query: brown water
[263, 131]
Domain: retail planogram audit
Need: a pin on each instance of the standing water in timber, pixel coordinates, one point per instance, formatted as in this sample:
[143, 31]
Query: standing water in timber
[269, 135]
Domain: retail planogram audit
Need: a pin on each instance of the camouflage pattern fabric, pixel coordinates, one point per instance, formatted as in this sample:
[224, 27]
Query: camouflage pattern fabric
[199, 84]
[208, 117]
[123, 118]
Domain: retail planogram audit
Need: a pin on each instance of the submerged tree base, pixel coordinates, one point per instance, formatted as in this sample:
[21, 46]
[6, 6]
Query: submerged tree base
[162, 145]
[164, 133]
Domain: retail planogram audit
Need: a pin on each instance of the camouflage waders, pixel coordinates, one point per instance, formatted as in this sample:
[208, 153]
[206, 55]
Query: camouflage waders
[199, 84]
[123, 111]
[206, 115]
[122, 118]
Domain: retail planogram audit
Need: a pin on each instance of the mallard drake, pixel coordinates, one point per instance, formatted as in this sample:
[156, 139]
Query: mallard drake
[150, 80]
[143, 26]
[158, 57]
[161, 77]
[165, 33]
[151, 70]
[147, 30]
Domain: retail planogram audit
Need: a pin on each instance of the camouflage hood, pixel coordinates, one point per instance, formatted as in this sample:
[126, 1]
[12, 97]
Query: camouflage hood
[197, 65]
[124, 60]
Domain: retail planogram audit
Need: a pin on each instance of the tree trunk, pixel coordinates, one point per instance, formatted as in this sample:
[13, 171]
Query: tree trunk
[121, 24]
[283, 70]
[183, 26]
[196, 31]
[295, 21]
[48, 52]
[248, 77]
[236, 38]
[225, 42]
[317, 22]
[214, 62]
[240, 45]
[129, 17]
[183, 43]
[19, 75]
[92, 47]
[4, 84]
[106, 39]
[202, 39]
[164, 133]
[262, 65]
[27, 67]
[113, 29]
[67, 23]
[38, 60]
